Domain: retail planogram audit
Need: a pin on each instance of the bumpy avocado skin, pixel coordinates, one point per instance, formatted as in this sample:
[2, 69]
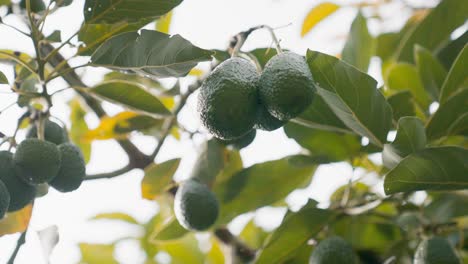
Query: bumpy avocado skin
[265, 121]
[52, 133]
[21, 194]
[37, 161]
[333, 250]
[242, 142]
[195, 206]
[4, 199]
[436, 250]
[286, 86]
[72, 170]
[227, 101]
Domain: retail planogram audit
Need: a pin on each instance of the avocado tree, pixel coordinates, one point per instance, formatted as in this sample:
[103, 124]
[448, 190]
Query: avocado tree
[409, 135]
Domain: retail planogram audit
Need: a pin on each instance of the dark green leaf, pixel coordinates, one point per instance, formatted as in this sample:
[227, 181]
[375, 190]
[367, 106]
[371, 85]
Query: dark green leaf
[359, 47]
[63, 2]
[402, 104]
[131, 96]
[262, 55]
[404, 76]
[114, 11]
[386, 44]
[3, 78]
[151, 53]
[457, 78]
[251, 188]
[56, 36]
[293, 233]
[449, 52]
[410, 138]
[171, 230]
[209, 163]
[443, 19]
[431, 71]
[451, 118]
[352, 95]
[116, 216]
[441, 168]
[331, 145]
[157, 178]
[444, 207]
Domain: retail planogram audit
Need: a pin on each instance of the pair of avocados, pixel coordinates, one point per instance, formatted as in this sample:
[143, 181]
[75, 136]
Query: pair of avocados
[235, 99]
[53, 161]
[335, 250]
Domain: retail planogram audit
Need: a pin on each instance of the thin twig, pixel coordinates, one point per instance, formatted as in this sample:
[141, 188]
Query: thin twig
[19, 243]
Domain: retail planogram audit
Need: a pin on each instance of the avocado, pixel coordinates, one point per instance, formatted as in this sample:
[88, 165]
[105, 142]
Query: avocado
[72, 169]
[52, 133]
[4, 199]
[333, 250]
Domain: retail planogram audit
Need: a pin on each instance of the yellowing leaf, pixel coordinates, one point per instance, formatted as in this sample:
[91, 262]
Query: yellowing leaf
[79, 127]
[157, 178]
[317, 14]
[196, 72]
[16, 222]
[105, 130]
[164, 23]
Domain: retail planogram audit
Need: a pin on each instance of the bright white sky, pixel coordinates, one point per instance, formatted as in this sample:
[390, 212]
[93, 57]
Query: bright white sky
[208, 24]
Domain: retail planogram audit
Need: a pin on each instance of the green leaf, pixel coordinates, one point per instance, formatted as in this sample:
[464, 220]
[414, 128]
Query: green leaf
[445, 207]
[209, 163]
[56, 36]
[63, 3]
[3, 78]
[183, 251]
[131, 96]
[359, 46]
[438, 168]
[402, 104]
[431, 71]
[151, 53]
[352, 95]
[293, 233]
[253, 235]
[97, 254]
[262, 55]
[451, 118]
[171, 230]
[114, 11]
[332, 146]
[443, 19]
[404, 76]
[410, 138]
[449, 52]
[116, 216]
[157, 178]
[457, 79]
[251, 188]
[386, 44]
[5, 2]
[79, 128]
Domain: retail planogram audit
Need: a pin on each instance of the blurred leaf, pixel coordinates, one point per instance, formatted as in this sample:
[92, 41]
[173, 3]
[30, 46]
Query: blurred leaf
[293, 233]
[5, 2]
[164, 23]
[170, 230]
[28, 86]
[97, 254]
[356, 195]
[300, 255]
[359, 46]
[16, 222]
[253, 235]
[386, 44]
[157, 178]
[330, 145]
[404, 76]
[63, 3]
[410, 138]
[3, 78]
[251, 188]
[352, 95]
[262, 55]
[402, 104]
[444, 18]
[196, 72]
[79, 128]
[232, 164]
[116, 216]
[446, 206]
[430, 70]
[131, 96]
[449, 52]
[316, 15]
[366, 232]
[216, 254]
[209, 163]
[151, 53]
[55, 37]
[451, 118]
[49, 238]
[457, 78]
[438, 168]
[111, 12]
[183, 251]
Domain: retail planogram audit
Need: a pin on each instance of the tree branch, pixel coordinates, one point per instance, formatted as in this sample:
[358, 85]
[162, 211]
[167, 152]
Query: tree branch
[19, 243]
[242, 251]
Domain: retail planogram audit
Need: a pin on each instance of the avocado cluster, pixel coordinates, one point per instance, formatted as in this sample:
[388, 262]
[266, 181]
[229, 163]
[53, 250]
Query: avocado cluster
[195, 206]
[235, 99]
[53, 161]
